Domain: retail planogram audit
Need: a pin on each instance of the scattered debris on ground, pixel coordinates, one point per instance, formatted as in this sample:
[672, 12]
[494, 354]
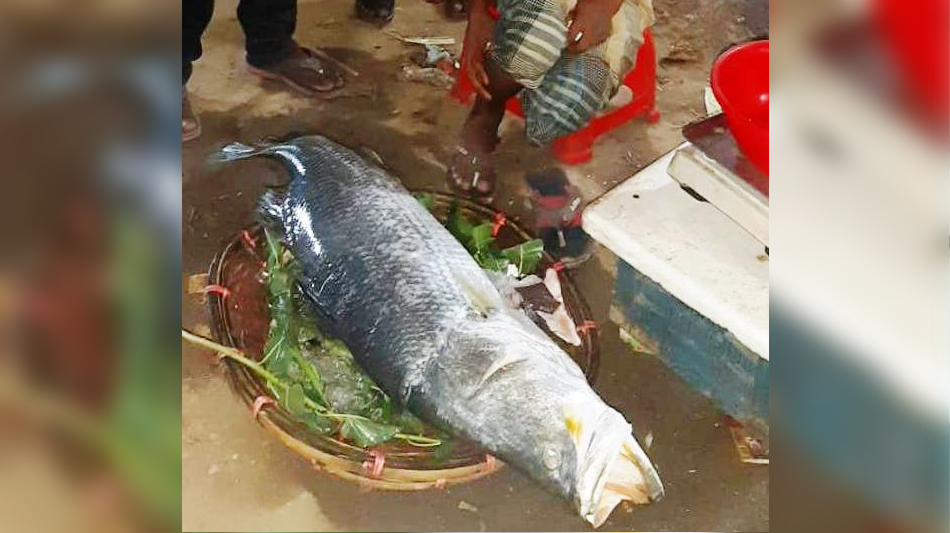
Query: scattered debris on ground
[433, 65]
[681, 52]
[424, 41]
[751, 449]
[465, 506]
[431, 76]
[435, 56]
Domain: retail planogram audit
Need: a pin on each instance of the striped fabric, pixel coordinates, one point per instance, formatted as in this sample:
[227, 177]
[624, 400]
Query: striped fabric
[564, 91]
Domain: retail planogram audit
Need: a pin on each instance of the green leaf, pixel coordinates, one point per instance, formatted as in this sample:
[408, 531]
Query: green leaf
[314, 383]
[491, 259]
[365, 433]
[481, 236]
[525, 255]
[459, 226]
[336, 348]
[294, 372]
[276, 358]
[409, 423]
[295, 401]
[273, 245]
[308, 331]
[278, 285]
[317, 423]
[381, 407]
[442, 452]
[427, 199]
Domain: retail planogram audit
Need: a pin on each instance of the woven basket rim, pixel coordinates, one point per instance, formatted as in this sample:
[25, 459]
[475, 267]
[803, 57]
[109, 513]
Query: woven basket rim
[406, 468]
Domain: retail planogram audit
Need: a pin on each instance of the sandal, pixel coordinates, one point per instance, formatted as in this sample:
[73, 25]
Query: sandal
[570, 245]
[303, 71]
[556, 209]
[471, 175]
[375, 11]
[190, 124]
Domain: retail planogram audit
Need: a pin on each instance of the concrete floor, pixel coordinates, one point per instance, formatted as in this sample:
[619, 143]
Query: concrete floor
[236, 477]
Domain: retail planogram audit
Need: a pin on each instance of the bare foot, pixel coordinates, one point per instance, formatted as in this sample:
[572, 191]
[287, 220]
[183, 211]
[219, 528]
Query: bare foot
[471, 174]
[470, 171]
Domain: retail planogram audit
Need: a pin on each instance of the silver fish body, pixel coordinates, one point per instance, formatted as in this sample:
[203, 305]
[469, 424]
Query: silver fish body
[428, 325]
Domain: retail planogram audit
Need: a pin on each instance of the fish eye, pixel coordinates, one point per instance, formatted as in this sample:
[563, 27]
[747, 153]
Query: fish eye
[551, 458]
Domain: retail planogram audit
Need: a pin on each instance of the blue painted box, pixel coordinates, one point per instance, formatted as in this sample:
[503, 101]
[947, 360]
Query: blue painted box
[704, 354]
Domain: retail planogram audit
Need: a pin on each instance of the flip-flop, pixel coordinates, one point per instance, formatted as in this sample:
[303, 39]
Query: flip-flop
[288, 71]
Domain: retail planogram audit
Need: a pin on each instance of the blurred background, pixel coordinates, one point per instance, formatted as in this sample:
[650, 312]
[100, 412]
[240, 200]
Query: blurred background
[90, 208]
[858, 280]
[90, 243]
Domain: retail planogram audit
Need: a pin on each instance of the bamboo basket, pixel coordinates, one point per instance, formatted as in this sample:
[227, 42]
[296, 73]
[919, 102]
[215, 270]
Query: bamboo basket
[241, 320]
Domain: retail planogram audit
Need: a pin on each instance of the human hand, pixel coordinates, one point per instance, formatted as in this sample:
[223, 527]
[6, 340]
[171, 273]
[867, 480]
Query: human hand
[478, 36]
[589, 23]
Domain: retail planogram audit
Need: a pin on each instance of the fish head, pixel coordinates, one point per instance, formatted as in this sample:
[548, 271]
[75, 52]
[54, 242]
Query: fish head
[568, 439]
[517, 377]
[611, 465]
[554, 461]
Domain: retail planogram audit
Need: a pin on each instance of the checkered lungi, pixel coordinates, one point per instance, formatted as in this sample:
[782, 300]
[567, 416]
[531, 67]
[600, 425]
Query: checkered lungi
[564, 91]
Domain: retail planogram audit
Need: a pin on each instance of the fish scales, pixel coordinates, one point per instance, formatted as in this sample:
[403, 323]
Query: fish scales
[429, 327]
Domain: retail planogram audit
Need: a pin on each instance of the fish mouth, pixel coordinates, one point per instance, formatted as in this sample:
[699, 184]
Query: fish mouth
[629, 476]
[617, 469]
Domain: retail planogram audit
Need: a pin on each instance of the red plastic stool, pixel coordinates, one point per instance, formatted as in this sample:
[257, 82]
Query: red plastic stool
[577, 147]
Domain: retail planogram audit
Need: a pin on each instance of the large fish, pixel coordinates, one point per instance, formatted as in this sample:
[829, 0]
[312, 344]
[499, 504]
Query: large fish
[428, 325]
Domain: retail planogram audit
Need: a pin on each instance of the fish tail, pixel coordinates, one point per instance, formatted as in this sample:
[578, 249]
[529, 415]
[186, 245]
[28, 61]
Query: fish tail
[235, 151]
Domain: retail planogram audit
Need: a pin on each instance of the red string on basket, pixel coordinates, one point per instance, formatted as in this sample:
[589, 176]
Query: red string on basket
[499, 221]
[375, 464]
[259, 404]
[250, 241]
[586, 326]
[224, 292]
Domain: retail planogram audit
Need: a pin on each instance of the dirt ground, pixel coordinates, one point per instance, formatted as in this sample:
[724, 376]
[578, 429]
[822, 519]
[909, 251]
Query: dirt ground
[236, 477]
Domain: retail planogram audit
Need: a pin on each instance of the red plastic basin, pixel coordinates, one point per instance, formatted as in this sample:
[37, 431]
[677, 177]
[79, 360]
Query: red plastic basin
[740, 81]
[918, 35]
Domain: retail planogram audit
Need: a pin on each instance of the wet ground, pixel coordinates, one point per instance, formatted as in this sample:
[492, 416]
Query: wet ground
[236, 477]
